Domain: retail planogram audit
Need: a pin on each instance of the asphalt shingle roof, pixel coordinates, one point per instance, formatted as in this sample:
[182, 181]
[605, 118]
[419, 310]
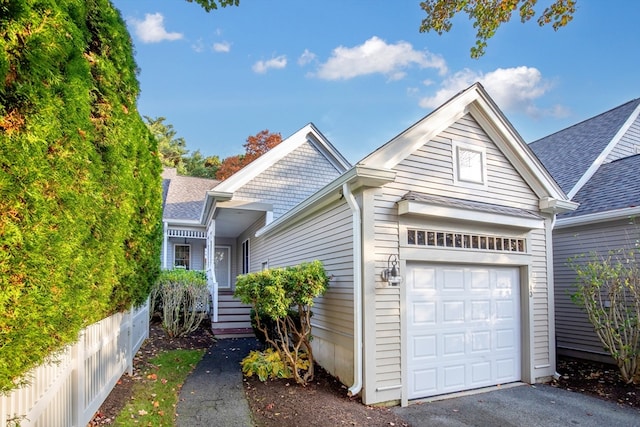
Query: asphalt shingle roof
[185, 195]
[613, 186]
[568, 154]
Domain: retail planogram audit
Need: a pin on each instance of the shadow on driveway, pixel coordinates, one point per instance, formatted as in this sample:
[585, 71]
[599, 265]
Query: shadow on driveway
[521, 406]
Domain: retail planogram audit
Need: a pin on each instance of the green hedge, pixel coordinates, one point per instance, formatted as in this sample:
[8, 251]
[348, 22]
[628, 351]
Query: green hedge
[80, 192]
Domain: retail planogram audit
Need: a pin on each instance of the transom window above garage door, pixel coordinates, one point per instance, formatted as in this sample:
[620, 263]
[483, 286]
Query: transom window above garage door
[446, 239]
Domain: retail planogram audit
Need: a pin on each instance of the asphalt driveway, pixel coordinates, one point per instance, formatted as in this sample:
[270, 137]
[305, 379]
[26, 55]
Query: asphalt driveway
[521, 406]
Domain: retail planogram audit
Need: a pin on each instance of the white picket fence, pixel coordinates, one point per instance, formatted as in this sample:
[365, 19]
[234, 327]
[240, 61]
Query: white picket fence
[68, 391]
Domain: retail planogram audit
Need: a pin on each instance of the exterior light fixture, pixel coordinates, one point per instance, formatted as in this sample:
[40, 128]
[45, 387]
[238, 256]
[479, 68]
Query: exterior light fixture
[391, 274]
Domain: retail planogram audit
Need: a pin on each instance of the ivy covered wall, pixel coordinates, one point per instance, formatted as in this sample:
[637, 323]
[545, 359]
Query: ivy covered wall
[80, 189]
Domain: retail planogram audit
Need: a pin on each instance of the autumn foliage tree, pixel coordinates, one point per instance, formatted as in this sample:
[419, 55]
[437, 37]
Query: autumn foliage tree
[488, 15]
[255, 147]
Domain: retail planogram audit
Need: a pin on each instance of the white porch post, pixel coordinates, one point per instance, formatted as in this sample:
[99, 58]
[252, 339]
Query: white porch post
[211, 270]
[165, 244]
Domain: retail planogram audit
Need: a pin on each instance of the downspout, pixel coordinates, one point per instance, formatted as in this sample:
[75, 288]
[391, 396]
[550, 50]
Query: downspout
[357, 289]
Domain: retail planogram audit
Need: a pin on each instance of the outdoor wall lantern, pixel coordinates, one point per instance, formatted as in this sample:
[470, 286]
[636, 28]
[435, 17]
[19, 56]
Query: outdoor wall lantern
[391, 274]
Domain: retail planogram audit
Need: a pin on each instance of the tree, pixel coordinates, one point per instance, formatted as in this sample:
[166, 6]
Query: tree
[171, 150]
[203, 167]
[488, 15]
[210, 5]
[255, 147]
[80, 187]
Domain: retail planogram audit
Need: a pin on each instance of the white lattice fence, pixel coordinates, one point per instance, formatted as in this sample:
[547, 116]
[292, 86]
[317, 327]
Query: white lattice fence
[67, 391]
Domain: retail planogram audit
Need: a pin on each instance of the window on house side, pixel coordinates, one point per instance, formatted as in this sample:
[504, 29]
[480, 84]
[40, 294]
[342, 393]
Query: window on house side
[245, 257]
[470, 166]
[181, 256]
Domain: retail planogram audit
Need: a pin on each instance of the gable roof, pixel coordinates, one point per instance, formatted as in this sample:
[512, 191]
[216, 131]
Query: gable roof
[307, 133]
[184, 196]
[376, 169]
[612, 187]
[574, 154]
[476, 102]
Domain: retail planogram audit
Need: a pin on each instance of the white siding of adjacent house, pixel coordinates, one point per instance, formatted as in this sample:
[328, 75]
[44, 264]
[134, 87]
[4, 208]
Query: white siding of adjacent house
[430, 170]
[575, 335]
[628, 144]
[326, 236]
[290, 180]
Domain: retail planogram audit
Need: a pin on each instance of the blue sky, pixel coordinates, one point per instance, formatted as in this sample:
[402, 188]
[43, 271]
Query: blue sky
[362, 72]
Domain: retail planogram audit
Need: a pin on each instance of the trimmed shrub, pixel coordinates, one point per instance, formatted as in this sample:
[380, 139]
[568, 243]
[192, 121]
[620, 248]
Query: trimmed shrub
[80, 189]
[181, 297]
[275, 294]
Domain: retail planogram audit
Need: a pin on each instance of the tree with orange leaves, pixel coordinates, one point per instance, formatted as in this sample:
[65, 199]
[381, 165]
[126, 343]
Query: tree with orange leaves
[255, 147]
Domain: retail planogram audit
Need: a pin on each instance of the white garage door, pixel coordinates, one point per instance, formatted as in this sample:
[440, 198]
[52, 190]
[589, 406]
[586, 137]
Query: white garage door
[463, 326]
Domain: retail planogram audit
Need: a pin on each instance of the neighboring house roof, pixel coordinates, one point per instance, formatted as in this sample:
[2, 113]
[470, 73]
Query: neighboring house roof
[184, 196]
[572, 155]
[614, 186]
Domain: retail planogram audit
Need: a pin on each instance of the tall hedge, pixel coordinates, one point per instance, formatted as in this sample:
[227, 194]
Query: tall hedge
[80, 193]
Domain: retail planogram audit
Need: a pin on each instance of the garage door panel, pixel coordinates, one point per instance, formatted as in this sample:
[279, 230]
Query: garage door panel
[463, 327]
[424, 347]
[423, 313]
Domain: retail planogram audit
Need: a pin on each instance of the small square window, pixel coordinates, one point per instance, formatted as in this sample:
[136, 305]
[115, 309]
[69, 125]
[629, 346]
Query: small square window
[469, 165]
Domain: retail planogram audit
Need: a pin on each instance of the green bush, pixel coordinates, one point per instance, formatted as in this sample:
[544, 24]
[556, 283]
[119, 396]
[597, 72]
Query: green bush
[181, 297]
[275, 294]
[80, 189]
[608, 289]
[269, 365]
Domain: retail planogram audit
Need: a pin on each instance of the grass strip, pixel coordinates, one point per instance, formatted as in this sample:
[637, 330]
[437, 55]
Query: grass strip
[155, 396]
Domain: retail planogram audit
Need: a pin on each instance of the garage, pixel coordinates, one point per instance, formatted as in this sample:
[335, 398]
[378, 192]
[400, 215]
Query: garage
[463, 327]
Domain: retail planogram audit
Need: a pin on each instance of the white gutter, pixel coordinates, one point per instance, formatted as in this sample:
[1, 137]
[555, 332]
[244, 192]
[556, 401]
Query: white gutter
[596, 217]
[357, 289]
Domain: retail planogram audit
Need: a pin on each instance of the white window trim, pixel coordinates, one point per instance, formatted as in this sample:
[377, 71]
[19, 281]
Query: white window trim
[175, 245]
[228, 248]
[457, 147]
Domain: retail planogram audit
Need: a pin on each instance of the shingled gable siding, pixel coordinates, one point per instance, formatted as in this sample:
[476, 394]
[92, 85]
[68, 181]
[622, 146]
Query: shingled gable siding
[326, 236]
[290, 180]
[628, 144]
[575, 335]
[430, 170]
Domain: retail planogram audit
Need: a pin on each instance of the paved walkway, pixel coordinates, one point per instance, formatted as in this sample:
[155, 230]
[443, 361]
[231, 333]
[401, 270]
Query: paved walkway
[213, 394]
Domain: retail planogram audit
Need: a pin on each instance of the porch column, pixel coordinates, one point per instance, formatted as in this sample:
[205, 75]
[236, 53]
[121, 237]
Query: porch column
[211, 268]
[165, 244]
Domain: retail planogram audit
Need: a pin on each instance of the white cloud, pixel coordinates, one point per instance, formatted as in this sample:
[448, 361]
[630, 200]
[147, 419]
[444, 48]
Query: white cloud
[513, 89]
[223, 47]
[152, 30]
[262, 67]
[376, 56]
[198, 46]
[306, 57]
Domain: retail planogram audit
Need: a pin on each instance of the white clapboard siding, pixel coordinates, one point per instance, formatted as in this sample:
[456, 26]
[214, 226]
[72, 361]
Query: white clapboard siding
[430, 170]
[575, 334]
[326, 236]
[628, 144]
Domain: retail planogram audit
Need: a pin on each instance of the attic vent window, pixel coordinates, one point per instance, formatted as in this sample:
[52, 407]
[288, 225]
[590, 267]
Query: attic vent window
[446, 239]
[469, 164]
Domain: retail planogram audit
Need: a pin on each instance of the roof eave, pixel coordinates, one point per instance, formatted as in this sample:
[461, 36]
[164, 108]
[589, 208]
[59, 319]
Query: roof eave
[598, 217]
